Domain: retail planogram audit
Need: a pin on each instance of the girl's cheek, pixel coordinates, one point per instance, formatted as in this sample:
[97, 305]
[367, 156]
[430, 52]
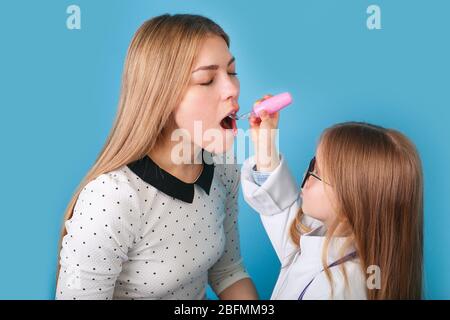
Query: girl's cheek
[315, 203]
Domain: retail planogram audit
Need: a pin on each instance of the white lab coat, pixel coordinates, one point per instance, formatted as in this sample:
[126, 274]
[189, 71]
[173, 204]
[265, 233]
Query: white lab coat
[277, 201]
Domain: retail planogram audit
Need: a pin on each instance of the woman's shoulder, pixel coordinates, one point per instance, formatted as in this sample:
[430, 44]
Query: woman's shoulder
[108, 201]
[116, 185]
[116, 181]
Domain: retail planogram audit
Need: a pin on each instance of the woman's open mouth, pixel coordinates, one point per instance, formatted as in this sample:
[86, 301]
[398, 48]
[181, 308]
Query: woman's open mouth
[229, 123]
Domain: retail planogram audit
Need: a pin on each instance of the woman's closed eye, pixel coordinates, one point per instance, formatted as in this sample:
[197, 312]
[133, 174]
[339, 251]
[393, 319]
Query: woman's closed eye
[233, 74]
[207, 83]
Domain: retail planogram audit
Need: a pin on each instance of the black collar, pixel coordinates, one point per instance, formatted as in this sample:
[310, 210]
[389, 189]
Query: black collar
[151, 173]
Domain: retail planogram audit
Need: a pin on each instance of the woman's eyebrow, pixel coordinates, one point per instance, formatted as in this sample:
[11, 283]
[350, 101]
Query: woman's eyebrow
[213, 66]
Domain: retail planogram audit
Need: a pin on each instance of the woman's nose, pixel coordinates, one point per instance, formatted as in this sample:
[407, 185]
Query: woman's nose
[231, 88]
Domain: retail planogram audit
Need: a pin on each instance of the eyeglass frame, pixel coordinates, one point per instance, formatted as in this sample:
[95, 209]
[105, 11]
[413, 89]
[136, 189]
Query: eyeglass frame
[309, 172]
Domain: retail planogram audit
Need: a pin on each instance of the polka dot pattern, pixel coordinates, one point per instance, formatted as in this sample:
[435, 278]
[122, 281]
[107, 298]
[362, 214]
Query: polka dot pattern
[128, 240]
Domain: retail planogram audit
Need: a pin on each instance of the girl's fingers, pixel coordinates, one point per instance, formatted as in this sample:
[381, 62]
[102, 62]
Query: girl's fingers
[263, 115]
[253, 119]
[275, 115]
[254, 127]
[256, 119]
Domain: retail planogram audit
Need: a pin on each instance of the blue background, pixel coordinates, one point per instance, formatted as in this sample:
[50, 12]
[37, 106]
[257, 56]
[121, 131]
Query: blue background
[59, 92]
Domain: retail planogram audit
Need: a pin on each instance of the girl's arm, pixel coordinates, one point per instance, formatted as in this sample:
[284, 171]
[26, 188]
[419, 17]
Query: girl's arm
[276, 200]
[264, 133]
[276, 196]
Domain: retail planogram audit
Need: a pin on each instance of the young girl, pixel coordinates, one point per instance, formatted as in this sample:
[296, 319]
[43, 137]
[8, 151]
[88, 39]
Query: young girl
[142, 224]
[354, 231]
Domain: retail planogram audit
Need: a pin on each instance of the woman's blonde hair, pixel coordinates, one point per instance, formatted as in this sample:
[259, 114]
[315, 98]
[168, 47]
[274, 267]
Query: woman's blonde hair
[156, 74]
[376, 177]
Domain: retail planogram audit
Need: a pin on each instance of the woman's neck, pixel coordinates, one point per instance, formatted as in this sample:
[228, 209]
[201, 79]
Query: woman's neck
[186, 167]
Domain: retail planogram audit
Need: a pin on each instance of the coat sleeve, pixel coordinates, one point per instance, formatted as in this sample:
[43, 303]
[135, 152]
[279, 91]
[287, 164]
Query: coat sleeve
[276, 200]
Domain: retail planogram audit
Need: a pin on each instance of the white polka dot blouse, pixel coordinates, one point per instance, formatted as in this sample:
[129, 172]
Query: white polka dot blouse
[140, 233]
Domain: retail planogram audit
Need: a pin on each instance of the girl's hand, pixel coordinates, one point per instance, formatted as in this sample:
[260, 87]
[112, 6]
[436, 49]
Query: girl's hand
[264, 132]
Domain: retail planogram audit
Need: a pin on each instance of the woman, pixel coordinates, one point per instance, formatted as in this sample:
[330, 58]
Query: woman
[147, 222]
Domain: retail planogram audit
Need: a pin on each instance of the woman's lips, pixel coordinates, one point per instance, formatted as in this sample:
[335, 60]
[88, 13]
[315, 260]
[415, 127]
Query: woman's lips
[234, 126]
[229, 123]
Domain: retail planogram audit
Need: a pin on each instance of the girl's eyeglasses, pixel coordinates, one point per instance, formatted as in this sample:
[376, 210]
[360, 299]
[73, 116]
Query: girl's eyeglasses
[310, 172]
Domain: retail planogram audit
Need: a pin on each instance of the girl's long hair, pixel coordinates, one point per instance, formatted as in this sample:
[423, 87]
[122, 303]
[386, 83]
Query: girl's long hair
[156, 74]
[376, 177]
